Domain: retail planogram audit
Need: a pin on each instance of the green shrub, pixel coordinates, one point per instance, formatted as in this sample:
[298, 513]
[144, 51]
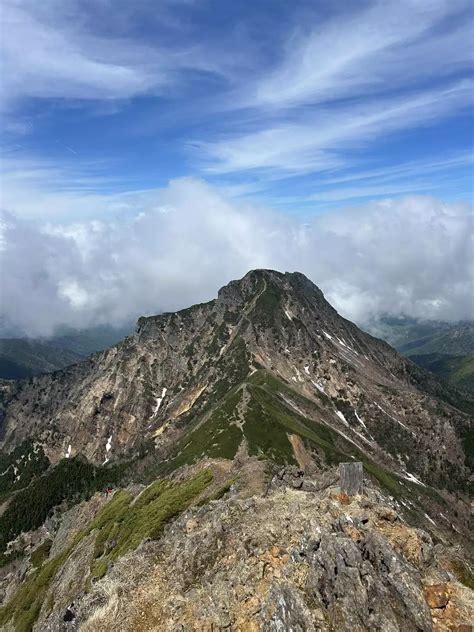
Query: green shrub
[25, 605]
[99, 568]
[19, 467]
[70, 481]
[41, 553]
[219, 493]
[153, 509]
[121, 525]
[463, 573]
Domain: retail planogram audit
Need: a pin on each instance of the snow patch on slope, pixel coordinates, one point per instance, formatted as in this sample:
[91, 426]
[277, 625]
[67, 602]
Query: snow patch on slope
[360, 420]
[158, 401]
[341, 416]
[291, 403]
[413, 479]
[392, 417]
[318, 386]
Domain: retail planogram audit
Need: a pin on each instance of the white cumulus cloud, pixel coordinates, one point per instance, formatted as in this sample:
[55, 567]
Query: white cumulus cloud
[409, 256]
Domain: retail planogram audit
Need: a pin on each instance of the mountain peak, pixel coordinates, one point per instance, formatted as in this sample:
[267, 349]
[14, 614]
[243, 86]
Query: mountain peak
[257, 281]
[269, 358]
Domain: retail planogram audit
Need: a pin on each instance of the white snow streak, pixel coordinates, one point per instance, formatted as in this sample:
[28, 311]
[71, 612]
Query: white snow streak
[292, 404]
[344, 344]
[341, 416]
[318, 386]
[413, 479]
[343, 434]
[360, 420]
[392, 417]
[159, 400]
[288, 314]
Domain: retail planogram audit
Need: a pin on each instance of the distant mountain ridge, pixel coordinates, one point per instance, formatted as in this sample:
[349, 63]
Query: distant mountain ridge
[21, 358]
[445, 349]
[26, 357]
[457, 370]
[457, 340]
[412, 336]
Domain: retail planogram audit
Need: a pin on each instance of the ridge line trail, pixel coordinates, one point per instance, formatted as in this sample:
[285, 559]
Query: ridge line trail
[245, 313]
[235, 330]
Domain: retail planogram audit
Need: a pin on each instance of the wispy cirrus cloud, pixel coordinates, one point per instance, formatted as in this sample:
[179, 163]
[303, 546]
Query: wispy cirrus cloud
[57, 191]
[410, 177]
[408, 169]
[234, 92]
[374, 48]
[341, 83]
[319, 139]
[56, 50]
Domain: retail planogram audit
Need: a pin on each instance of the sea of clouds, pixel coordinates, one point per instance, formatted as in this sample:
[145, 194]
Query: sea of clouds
[411, 256]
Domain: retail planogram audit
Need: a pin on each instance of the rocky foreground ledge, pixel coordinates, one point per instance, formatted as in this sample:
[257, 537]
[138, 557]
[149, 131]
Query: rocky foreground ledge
[254, 556]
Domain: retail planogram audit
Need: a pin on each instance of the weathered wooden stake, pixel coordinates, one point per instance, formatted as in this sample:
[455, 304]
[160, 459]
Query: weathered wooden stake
[351, 476]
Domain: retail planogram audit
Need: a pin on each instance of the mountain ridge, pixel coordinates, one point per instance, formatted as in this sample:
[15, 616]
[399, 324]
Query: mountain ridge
[22, 357]
[248, 402]
[178, 371]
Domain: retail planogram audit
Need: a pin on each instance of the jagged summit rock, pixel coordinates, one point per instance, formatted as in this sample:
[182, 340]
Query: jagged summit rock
[253, 282]
[269, 285]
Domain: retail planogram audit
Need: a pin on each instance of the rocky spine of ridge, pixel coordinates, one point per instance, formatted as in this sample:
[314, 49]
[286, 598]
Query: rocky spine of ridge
[249, 554]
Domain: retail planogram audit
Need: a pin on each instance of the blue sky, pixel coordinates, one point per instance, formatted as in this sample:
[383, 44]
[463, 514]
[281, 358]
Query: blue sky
[304, 105]
[153, 150]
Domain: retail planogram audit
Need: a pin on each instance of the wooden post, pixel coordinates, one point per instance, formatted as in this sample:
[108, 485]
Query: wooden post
[351, 477]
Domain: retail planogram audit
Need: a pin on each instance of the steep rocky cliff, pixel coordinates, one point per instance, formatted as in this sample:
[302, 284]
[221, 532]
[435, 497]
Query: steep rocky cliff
[270, 388]
[268, 333]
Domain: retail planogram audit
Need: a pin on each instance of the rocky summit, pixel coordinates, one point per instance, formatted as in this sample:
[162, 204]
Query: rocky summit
[187, 478]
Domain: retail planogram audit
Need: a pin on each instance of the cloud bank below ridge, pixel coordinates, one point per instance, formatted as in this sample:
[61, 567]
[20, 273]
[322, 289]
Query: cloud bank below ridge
[180, 244]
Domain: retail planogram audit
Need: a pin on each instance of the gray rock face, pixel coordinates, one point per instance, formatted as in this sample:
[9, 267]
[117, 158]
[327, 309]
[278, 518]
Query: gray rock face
[366, 585]
[285, 609]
